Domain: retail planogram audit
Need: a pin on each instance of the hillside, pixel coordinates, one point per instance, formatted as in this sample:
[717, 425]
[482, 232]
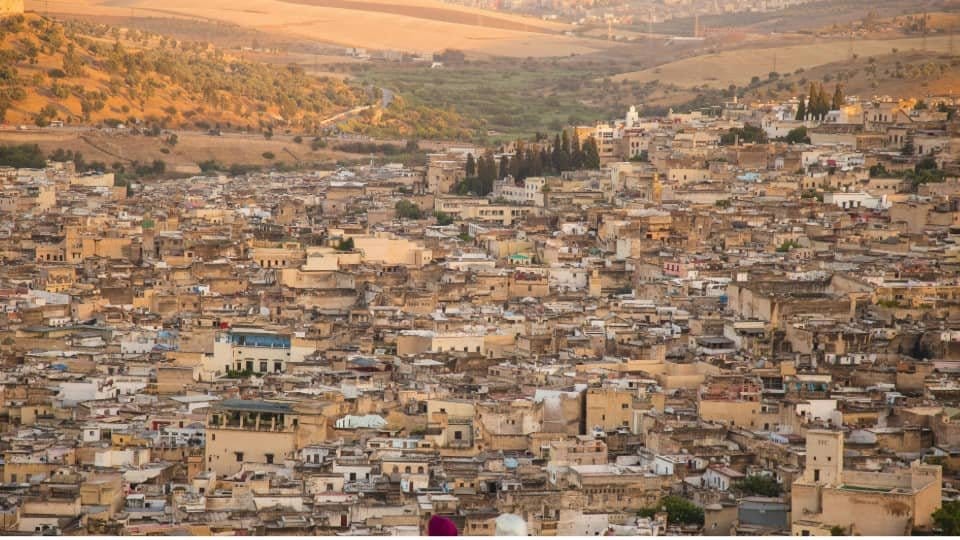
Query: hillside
[901, 74]
[82, 73]
[422, 26]
[739, 66]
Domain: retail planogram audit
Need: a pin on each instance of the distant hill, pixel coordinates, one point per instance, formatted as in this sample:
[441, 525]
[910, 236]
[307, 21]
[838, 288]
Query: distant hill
[415, 26]
[81, 73]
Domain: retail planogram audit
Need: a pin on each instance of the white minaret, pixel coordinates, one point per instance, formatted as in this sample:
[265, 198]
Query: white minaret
[633, 117]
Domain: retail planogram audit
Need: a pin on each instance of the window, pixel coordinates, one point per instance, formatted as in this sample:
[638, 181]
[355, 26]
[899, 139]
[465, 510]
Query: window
[329, 487]
[269, 458]
[624, 405]
[239, 456]
[816, 475]
[458, 435]
[278, 367]
[263, 366]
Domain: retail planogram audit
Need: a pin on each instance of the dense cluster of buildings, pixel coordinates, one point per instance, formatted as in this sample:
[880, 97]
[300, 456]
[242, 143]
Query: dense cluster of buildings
[283, 354]
[631, 11]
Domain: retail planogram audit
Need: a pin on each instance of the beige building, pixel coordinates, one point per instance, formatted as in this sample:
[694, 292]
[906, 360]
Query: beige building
[259, 432]
[860, 502]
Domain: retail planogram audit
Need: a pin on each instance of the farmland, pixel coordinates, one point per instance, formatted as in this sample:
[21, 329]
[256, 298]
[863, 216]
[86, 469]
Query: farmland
[738, 66]
[420, 27]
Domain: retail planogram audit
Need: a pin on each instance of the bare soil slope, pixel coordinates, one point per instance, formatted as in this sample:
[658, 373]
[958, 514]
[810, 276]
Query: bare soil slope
[719, 70]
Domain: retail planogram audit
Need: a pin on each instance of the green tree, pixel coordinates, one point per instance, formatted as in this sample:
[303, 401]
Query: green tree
[680, 510]
[798, 135]
[757, 484]
[471, 168]
[407, 210]
[838, 97]
[565, 157]
[555, 151]
[24, 156]
[346, 245]
[907, 149]
[504, 168]
[577, 153]
[944, 108]
[443, 218]
[802, 110]
[947, 519]
[591, 154]
[749, 133]
[486, 174]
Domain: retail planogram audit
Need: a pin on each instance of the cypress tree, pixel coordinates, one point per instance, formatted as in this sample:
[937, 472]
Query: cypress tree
[471, 166]
[536, 162]
[838, 98]
[546, 162]
[802, 110]
[564, 164]
[576, 152]
[591, 154]
[555, 158]
[823, 104]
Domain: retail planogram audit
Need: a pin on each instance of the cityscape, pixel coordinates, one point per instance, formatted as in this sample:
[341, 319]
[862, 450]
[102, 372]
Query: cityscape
[479, 268]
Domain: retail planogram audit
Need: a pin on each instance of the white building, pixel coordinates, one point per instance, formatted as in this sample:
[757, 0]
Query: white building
[856, 200]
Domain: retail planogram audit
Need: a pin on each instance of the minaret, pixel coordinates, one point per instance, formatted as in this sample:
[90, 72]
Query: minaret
[824, 457]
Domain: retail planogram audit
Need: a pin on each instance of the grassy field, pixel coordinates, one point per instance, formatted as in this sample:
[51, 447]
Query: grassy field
[414, 26]
[738, 66]
[511, 102]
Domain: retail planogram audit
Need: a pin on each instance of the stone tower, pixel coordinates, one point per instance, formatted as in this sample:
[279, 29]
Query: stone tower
[824, 457]
[11, 7]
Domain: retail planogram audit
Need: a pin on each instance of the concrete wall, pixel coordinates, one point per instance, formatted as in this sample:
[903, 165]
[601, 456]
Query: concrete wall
[222, 443]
